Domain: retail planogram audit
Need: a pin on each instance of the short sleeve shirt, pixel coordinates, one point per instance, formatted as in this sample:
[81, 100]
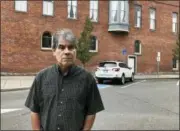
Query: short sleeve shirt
[63, 102]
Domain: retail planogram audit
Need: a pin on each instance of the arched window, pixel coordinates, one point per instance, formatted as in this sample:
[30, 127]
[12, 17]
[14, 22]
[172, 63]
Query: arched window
[46, 40]
[94, 44]
[137, 47]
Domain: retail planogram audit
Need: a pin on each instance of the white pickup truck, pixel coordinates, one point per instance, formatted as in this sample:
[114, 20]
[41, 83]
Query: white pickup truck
[115, 70]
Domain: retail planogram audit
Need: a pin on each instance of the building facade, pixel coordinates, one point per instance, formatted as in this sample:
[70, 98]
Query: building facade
[137, 32]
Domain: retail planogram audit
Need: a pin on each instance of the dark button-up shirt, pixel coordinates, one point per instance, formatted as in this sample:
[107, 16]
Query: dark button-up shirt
[63, 102]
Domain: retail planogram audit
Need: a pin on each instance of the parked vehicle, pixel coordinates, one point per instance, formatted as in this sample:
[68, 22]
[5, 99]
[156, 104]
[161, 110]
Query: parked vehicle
[114, 70]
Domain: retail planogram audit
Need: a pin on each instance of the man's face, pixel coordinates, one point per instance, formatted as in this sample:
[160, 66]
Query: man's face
[65, 53]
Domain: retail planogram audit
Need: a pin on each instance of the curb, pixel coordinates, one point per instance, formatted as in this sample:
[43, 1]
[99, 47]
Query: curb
[145, 78]
[155, 78]
[15, 89]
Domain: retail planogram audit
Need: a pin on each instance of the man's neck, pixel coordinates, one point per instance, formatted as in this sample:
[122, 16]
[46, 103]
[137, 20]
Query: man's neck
[63, 69]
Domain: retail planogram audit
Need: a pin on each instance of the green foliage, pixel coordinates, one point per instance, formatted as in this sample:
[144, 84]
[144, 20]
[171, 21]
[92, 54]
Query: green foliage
[84, 42]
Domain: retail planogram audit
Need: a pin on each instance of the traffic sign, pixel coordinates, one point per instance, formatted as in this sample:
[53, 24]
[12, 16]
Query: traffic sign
[124, 51]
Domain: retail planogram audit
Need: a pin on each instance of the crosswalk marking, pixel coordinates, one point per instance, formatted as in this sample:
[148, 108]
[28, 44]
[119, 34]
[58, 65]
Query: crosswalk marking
[9, 110]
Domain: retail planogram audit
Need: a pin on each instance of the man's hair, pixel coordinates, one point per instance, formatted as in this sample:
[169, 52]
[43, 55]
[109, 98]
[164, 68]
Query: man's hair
[65, 34]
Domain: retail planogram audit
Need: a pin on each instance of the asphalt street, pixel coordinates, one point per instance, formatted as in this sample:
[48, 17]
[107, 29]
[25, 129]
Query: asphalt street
[141, 105]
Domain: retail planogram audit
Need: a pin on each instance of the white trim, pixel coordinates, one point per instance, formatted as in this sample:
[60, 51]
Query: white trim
[96, 50]
[135, 62]
[46, 11]
[93, 8]
[21, 6]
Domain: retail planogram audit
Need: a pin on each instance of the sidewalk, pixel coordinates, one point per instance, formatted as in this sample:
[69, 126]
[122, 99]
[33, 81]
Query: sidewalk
[12, 83]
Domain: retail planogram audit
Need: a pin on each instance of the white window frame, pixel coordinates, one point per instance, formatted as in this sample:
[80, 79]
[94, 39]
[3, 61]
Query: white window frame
[48, 7]
[174, 22]
[21, 6]
[45, 48]
[96, 50]
[140, 50]
[152, 19]
[93, 9]
[74, 5]
[138, 16]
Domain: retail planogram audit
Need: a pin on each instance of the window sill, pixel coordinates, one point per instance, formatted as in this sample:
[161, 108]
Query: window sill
[93, 51]
[174, 69]
[19, 11]
[47, 15]
[139, 54]
[174, 33]
[46, 49]
[93, 21]
[72, 18]
[137, 27]
[152, 30]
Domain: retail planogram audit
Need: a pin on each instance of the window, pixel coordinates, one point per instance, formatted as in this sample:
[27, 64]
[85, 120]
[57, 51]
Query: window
[118, 12]
[175, 63]
[72, 9]
[94, 44]
[152, 19]
[94, 10]
[122, 65]
[114, 11]
[21, 5]
[174, 22]
[46, 40]
[48, 7]
[137, 16]
[137, 47]
[108, 64]
[122, 11]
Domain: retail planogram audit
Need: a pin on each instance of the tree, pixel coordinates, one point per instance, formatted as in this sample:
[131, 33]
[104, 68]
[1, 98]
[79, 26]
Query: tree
[84, 43]
[176, 50]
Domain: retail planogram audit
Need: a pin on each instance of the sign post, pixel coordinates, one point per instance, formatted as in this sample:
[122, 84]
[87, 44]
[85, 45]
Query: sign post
[158, 58]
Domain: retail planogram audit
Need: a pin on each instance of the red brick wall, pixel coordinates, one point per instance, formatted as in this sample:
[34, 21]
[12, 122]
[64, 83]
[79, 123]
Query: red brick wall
[21, 35]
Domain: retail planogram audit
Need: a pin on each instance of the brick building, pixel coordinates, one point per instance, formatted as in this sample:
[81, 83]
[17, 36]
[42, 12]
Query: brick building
[132, 31]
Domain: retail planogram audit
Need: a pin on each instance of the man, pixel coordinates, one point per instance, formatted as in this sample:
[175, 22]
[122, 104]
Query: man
[64, 96]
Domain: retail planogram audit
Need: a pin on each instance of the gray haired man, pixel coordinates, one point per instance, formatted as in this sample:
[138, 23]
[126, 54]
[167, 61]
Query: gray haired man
[64, 96]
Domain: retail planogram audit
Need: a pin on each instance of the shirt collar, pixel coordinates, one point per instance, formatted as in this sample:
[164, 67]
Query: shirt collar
[69, 72]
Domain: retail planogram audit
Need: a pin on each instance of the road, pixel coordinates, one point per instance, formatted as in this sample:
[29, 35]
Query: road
[141, 105]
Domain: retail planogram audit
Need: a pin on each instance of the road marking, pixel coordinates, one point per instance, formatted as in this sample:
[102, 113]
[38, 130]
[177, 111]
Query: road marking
[177, 83]
[9, 110]
[133, 84]
[102, 86]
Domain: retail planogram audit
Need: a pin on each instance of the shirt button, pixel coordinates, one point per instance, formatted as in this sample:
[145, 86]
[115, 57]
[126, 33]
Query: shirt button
[62, 90]
[59, 115]
[61, 102]
[58, 128]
